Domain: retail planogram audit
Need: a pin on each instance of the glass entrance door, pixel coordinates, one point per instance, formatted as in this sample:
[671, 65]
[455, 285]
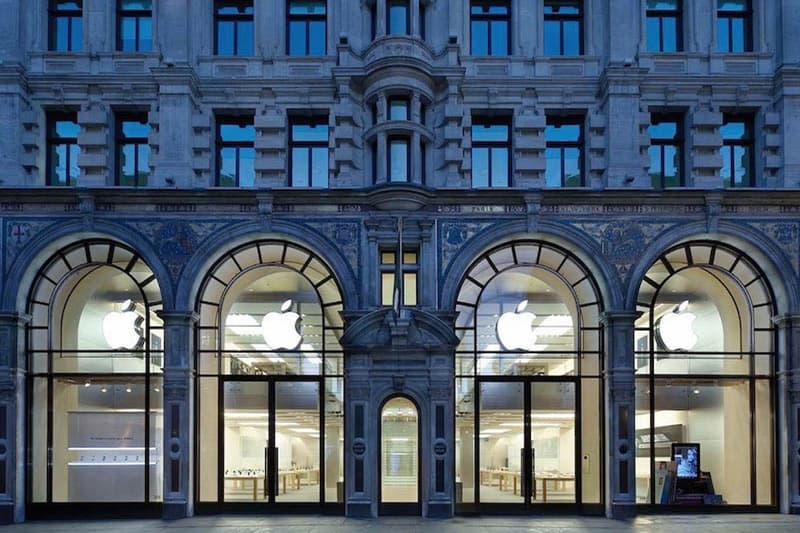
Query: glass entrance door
[271, 441]
[526, 442]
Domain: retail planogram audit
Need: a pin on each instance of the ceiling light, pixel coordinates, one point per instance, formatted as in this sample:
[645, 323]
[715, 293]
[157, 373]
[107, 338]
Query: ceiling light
[245, 325]
[495, 431]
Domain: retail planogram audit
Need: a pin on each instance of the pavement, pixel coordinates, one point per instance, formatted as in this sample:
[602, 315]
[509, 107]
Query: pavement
[729, 523]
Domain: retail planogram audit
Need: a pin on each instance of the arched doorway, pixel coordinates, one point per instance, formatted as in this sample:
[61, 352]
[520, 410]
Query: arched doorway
[705, 387]
[95, 356]
[399, 461]
[270, 384]
[528, 377]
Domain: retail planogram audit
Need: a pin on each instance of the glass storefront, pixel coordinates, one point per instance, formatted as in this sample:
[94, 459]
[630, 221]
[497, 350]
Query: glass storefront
[399, 452]
[704, 364]
[270, 386]
[528, 366]
[95, 355]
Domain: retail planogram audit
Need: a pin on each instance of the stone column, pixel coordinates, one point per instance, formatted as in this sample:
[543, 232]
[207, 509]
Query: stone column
[12, 417]
[380, 18]
[620, 411]
[414, 19]
[788, 412]
[625, 162]
[178, 412]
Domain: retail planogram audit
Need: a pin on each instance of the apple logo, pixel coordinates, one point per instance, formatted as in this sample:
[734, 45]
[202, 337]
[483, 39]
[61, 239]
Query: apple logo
[281, 330]
[515, 329]
[673, 330]
[123, 329]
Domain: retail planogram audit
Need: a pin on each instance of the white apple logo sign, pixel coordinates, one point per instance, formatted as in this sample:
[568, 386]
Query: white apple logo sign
[281, 330]
[515, 330]
[123, 329]
[674, 329]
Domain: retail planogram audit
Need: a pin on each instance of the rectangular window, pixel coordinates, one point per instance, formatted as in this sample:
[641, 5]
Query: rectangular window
[134, 25]
[307, 33]
[397, 17]
[563, 27]
[133, 149]
[491, 152]
[564, 151]
[398, 159]
[664, 26]
[233, 27]
[66, 25]
[62, 148]
[666, 150]
[734, 26]
[737, 150]
[398, 108]
[236, 151]
[490, 27]
[308, 145]
[409, 267]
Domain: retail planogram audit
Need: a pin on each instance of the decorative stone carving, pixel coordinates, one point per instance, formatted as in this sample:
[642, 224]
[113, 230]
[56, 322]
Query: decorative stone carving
[454, 235]
[344, 234]
[786, 235]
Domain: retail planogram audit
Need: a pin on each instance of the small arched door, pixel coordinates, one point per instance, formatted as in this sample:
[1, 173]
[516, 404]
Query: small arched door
[398, 457]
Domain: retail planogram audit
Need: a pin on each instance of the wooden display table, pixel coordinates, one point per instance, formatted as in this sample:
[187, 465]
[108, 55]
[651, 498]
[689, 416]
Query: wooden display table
[254, 479]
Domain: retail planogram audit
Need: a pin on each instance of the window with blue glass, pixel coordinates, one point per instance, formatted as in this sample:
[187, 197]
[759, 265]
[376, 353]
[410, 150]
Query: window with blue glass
[564, 151]
[66, 25]
[737, 150]
[397, 17]
[398, 108]
[666, 150]
[491, 151]
[490, 27]
[664, 26]
[734, 26]
[307, 22]
[563, 27]
[133, 149]
[233, 27]
[308, 146]
[62, 148]
[134, 25]
[399, 158]
[236, 152]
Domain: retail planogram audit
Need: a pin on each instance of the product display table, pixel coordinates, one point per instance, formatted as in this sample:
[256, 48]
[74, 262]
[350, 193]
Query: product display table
[242, 479]
[558, 482]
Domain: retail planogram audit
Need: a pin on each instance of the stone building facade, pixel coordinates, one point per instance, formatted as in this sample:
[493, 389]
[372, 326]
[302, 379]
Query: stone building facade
[493, 152]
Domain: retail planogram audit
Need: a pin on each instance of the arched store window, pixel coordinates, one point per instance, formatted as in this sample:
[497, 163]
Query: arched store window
[270, 384]
[704, 349]
[528, 386]
[95, 362]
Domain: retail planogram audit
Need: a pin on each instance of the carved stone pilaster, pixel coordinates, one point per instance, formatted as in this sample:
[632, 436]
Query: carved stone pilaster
[788, 409]
[178, 412]
[620, 413]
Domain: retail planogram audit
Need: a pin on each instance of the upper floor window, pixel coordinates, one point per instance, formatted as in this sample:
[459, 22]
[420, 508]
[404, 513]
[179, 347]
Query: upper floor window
[564, 151]
[490, 28]
[236, 151]
[734, 26]
[308, 145]
[399, 158]
[62, 148]
[563, 27]
[135, 25]
[737, 150]
[307, 19]
[491, 151]
[666, 150]
[397, 17]
[233, 27]
[133, 149]
[409, 267]
[66, 25]
[398, 108]
[664, 26]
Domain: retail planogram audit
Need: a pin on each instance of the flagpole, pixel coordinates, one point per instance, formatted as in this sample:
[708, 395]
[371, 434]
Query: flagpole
[398, 269]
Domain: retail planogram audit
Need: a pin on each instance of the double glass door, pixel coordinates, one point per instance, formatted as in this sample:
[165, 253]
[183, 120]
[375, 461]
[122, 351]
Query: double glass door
[526, 442]
[271, 441]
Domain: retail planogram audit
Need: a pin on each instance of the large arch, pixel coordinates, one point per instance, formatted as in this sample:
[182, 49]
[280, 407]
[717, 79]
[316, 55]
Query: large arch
[578, 243]
[747, 240]
[22, 271]
[705, 349]
[220, 244]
